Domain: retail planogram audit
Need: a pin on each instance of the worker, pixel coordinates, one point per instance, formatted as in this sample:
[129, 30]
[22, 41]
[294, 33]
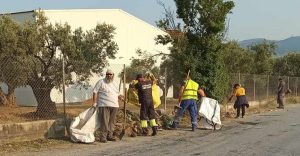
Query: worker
[188, 96]
[241, 100]
[147, 111]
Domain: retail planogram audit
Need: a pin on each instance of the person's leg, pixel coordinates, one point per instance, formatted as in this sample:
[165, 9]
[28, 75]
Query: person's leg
[179, 113]
[280, 101]
[238, 109]
[144, 118]
[243, 110]
[193, 113]
[111, 123]
[103, 116]
[151, 115]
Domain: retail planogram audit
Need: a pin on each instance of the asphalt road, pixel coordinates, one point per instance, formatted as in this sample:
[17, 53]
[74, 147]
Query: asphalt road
[274, 133]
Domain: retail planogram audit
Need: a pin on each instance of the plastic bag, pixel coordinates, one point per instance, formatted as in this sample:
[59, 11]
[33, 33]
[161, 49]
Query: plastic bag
[83, 126]
[133, 97]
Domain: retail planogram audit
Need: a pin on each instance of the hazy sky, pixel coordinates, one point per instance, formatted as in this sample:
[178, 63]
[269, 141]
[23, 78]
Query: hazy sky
[271, 19]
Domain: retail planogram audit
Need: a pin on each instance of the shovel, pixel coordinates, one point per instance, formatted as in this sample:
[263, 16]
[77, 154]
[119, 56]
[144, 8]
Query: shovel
[124, 121]
[125, 101]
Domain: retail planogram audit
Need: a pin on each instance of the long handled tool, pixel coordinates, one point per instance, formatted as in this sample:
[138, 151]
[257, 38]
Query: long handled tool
[187, 76]
[125, 102]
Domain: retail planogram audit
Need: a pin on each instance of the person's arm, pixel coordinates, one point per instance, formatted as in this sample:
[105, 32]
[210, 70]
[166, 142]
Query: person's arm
[94, 98]
[180, 94]
[232, 94]
[201, 92]
[281, 87]
[95, 93]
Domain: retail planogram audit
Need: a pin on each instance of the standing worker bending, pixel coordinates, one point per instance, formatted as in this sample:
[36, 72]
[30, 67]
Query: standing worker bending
[147, 111]
[241, 101]
[188, 96]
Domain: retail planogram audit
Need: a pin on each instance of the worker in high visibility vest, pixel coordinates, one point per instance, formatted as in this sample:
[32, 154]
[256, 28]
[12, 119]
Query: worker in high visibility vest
[188, 96]
[147, 111]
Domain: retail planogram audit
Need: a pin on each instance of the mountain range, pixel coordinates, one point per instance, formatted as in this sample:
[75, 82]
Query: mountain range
[291, 44]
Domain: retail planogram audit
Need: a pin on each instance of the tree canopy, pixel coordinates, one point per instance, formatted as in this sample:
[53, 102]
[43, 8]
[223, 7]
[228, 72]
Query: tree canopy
[197, 46]
[45, 44]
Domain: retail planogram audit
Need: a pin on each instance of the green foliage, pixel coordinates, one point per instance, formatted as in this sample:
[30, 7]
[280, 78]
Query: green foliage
[35, 51]
[263, 57]
[140, 65]
[237, 59]
[83, 52]
[205, 25]
[15, 67]
[287, 65]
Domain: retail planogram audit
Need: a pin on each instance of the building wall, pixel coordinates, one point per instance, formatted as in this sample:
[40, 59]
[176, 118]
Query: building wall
[131, 34]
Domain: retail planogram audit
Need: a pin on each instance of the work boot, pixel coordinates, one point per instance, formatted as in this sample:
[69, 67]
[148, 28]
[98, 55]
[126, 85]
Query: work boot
[111, 139]
[194, 127]
[174, 126]
[144, 131]
[103, 140]
[154, 131]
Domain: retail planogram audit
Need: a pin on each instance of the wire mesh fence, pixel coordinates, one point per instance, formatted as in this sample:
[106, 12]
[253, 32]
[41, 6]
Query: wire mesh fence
[39, 100]
[264, 87]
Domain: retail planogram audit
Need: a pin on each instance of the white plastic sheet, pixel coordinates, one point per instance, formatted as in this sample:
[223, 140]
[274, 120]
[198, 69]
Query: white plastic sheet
[83, 126]
[210, 111]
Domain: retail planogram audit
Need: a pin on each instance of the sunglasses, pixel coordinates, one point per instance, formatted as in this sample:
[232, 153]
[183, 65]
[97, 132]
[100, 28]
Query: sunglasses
[109, 74]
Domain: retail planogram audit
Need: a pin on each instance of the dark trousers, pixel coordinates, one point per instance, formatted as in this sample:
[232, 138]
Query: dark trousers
[280, 100]
[147, 111]
[238, 109]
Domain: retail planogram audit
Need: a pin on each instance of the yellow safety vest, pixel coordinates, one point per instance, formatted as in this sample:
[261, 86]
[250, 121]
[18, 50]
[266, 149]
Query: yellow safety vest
[190, 91]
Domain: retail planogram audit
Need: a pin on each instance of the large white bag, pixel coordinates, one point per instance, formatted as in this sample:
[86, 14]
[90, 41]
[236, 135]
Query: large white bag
[210, 111]
[83, 126]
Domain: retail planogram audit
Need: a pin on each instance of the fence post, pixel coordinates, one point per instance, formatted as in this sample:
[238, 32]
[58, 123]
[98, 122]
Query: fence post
[296, 87]
[254, 98]
[124, 92]
[288, 81]
[288, 85]
[64, 90]
[165, 98]
[268, 81]
[239, 78]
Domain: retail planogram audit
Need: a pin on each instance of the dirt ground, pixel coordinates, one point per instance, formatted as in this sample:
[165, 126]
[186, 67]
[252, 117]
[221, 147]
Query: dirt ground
[17, 115]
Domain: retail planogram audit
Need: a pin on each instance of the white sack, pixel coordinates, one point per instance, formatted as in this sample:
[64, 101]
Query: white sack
[210, 111]
[83, 126]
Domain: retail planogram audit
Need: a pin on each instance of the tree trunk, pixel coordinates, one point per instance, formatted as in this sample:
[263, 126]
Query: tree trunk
[3, 99]
[8, 100]
[46, 108]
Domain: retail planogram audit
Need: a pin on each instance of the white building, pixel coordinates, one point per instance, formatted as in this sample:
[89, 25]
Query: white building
[131, 34]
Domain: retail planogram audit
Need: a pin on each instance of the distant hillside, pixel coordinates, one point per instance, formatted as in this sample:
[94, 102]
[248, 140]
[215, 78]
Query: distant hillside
[283, 46]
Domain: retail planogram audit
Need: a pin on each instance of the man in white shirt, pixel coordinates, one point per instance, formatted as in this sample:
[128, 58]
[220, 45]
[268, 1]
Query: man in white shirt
[106, 95]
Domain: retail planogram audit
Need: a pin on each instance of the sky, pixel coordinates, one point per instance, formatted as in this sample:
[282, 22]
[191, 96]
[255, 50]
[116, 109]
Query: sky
[270, 19]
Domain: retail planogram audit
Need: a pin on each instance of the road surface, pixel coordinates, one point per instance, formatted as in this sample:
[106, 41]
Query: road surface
[274, 133]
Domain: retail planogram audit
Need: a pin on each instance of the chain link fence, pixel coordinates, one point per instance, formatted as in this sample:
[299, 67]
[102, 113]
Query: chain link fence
[264, 87]
[37, 101]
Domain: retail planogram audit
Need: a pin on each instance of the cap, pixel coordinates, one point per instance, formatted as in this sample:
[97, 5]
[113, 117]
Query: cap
[109, 71]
